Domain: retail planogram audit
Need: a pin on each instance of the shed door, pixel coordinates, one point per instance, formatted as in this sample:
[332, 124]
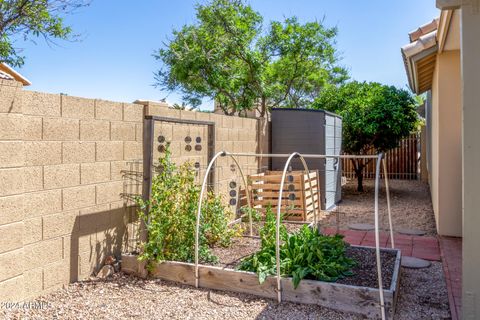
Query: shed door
[330, 165]
[338, 151]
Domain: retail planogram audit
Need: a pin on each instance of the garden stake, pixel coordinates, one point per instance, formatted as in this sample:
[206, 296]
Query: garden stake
[387, 191]
[377, 238]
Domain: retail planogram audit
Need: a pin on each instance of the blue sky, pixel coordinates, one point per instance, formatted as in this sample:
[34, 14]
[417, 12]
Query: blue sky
[114, 59]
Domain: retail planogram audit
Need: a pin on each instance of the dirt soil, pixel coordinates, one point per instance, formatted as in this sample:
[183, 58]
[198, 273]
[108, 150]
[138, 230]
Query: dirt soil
[423, 295]
[410, 203]
[365, 270]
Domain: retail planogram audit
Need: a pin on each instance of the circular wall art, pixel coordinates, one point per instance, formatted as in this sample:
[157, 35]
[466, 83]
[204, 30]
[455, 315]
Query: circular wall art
[198, 147]
[188, 148]
[198, 139]
[197, 165]
[161, 139]
[188, 139]
[233, 202]
[161, 148]
[233, 193]
[233, 184]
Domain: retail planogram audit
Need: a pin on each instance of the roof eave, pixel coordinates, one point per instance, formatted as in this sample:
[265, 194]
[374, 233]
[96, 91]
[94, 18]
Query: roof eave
[411, 67]
[17, 76]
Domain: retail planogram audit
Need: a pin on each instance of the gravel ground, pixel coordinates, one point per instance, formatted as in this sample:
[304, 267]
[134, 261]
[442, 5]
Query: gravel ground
[410, 202]
[423, 296]
[423, 293]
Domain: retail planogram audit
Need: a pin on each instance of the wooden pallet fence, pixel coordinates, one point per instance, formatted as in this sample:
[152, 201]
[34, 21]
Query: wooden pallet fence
[402, 162]
[297, 200]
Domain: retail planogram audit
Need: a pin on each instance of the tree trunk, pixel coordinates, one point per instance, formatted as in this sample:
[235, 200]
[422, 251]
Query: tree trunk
[358, 166]
[263, 111]
[359, 174]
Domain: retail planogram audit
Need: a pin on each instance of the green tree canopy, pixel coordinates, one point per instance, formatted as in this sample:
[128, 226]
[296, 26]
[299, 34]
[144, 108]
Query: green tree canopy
[374, 116]
[26, 19]
[227, 56]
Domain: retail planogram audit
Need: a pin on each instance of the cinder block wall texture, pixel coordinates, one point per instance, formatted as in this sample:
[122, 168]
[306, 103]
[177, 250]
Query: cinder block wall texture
[68, 169]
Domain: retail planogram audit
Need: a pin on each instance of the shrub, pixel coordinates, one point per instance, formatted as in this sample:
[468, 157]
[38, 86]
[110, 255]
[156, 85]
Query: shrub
[306, 254]
[171, 216]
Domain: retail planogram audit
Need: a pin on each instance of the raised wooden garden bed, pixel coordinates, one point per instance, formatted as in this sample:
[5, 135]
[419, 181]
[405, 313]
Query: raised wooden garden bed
[297, 200]
[343, 297]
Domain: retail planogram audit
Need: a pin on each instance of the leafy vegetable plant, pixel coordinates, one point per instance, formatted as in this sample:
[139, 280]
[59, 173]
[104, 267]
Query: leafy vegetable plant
[306, 254]
[171, 216]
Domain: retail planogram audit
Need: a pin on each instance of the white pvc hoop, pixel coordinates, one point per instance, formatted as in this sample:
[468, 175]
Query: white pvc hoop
[379, 158]
[387, 191]
[377, 239]
[199, 211]
[279, 207]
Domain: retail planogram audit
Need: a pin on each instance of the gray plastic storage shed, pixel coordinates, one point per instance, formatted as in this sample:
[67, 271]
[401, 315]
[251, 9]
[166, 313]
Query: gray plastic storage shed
[311, 132]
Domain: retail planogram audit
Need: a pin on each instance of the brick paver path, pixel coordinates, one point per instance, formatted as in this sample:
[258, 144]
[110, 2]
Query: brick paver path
[422, 247]
[452, 265]
[448, 250]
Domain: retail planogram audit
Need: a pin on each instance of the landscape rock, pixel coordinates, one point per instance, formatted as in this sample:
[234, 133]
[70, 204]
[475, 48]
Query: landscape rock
[105, 272]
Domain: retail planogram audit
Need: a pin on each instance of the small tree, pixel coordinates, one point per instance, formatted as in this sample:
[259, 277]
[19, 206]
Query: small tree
[27, 18]
[224, 56]
[374, 116]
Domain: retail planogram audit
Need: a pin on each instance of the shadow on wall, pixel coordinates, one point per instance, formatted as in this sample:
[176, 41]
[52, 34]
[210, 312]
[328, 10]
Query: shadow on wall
[98, 235]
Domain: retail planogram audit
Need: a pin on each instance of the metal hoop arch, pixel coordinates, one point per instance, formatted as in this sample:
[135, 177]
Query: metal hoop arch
[199, 211]
[279, 207]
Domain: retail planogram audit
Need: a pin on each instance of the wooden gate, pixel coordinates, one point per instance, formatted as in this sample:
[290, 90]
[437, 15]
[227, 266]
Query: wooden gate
[402, 162]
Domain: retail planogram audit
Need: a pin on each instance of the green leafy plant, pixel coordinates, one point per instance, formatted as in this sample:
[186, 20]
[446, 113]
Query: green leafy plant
[305, 254]
[227, 55]
[374, 116]
[250, 212]
[171, 216]
[31, 19]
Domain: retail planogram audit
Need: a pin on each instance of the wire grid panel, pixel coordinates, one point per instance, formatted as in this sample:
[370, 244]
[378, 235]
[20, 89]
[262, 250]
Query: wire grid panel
[132, 177]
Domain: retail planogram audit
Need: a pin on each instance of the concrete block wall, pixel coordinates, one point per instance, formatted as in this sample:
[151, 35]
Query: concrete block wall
[69, 167]
[62, 187]
[233, 134]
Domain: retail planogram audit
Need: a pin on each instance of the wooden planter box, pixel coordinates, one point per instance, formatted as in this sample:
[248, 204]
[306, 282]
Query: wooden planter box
[297, 201]
[347, 298]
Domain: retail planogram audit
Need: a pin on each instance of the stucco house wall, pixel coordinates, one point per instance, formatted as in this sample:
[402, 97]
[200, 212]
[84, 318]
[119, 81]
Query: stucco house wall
[446, 163]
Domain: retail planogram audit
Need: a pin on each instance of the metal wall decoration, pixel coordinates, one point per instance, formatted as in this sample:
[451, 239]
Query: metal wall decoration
[162, 142]
[198, 146]
[188, 140]
[233, 192]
